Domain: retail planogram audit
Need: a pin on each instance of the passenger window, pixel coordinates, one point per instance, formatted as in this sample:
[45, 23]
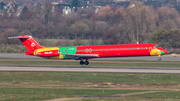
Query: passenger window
[150, 48]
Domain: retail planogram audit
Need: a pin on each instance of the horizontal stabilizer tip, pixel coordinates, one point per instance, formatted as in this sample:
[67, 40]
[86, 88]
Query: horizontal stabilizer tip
[17, 37]
[21, 37]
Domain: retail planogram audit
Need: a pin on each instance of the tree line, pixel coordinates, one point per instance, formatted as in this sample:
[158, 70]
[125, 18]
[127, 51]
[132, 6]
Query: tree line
[113, 25]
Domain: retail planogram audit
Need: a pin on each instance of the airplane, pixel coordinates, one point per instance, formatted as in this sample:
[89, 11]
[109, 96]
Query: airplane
[89, 52]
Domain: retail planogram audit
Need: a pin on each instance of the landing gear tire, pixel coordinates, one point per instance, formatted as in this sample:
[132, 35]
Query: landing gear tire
[86, 62]
[159, 58]
[81, 62]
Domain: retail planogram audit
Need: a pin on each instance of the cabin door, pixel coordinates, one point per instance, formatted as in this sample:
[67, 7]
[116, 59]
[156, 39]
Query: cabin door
[150, 48]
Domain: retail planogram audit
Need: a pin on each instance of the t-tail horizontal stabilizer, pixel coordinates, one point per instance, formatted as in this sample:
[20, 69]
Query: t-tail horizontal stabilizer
[28, 42]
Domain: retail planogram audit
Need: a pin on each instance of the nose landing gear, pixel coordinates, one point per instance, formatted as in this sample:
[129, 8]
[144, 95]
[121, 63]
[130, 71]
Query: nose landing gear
[159, 58]
[82, 62]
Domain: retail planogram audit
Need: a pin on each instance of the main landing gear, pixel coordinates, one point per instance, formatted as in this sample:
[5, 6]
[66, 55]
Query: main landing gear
[82, 62]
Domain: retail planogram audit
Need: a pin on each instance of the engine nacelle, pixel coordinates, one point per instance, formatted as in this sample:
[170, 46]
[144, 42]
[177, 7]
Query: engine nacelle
[50, 53]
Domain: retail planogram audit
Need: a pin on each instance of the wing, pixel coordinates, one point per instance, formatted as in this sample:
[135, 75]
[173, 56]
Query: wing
[78, 56]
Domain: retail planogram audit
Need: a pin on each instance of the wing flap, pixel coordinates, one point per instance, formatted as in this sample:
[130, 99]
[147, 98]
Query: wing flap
[83, 55]
[77, 56]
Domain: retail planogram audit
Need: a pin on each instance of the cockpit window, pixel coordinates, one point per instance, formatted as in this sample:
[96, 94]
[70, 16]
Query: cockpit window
[156, 46]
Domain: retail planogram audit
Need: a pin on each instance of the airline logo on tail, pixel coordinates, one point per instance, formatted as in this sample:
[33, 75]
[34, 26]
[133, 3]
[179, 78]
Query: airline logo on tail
[33, 44]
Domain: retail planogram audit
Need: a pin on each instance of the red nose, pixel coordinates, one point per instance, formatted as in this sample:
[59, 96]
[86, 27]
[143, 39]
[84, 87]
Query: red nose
[165, 51]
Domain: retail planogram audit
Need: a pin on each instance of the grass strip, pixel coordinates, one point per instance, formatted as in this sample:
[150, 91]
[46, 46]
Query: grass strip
[32, 94]
[31, 86]
[76, 78]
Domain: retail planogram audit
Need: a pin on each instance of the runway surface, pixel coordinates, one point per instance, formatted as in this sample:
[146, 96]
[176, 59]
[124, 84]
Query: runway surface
[164, 58]
[89, 69]
[86, 69]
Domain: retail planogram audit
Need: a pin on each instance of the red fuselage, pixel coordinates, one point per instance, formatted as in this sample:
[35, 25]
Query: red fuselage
[123, 50]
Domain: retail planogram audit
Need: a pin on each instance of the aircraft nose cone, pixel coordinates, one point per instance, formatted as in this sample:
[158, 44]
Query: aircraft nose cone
[165, 51]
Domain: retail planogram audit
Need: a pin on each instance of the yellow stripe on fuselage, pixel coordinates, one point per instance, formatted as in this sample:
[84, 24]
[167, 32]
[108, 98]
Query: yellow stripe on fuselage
[45, 49]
